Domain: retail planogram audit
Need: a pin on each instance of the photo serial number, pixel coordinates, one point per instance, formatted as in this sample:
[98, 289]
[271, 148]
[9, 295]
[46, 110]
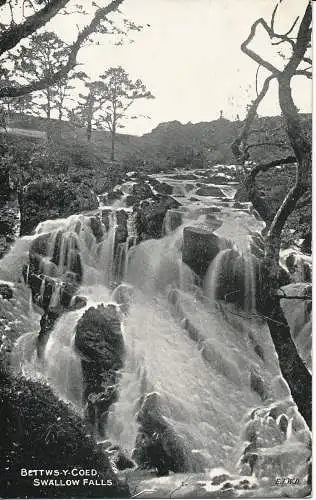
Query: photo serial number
[283, 481]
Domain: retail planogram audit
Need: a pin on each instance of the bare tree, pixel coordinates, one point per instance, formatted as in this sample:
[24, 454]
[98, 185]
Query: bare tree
[299, 63]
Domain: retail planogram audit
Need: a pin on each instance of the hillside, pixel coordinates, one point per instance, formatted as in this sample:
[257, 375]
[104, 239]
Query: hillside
[171, 144]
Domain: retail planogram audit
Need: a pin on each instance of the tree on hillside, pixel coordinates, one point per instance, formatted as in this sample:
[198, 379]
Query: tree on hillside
[84, 115]
[297, 64]
[64, 93]
[27, 19]
[120, 92]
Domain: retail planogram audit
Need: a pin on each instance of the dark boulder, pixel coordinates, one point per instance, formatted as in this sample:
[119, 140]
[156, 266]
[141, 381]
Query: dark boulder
[139, 192]
[44, 259]
[47, 323]
[151, 214]
[6, 291]
[100, 342]
[121, 231]
[97, 228]
[219, 479]
[77, 302]
[157, 444]
[219, 179]
[212, 222]
[209, 191]
[97, 408]
[173, 220]
[105, 218]
[161, 187]
[238, 279]
[119, 459]
[111, 197]
[299, 267]
[43, 287]
[200, 247]
[52, 199]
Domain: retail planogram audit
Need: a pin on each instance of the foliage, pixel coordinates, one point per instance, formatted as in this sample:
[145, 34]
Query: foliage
[31, 413]
[29, 19]
[120, 92]
[108, 102]
[41, 58]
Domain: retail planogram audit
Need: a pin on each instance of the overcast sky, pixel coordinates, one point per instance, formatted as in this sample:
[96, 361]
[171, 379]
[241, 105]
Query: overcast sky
[190, 58]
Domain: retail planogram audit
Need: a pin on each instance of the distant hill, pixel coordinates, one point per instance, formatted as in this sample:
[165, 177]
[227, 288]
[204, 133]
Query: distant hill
[65, 152]
[171, 144]
[174, 144]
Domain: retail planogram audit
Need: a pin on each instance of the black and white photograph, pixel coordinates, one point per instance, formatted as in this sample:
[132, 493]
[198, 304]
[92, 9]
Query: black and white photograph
[156, 249]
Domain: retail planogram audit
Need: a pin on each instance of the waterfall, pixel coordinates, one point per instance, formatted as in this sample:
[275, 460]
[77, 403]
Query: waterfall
[61, 364]
[232, 277]
[215, 371]
[106, 258]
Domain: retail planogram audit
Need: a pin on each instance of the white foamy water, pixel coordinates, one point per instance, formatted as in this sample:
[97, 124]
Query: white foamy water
[211, 364]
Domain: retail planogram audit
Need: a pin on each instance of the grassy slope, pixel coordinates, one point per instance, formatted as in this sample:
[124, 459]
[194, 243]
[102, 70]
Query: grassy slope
[169, 145]
[173, 143]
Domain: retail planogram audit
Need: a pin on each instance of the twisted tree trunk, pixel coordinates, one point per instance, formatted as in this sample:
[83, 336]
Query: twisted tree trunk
[292, 367]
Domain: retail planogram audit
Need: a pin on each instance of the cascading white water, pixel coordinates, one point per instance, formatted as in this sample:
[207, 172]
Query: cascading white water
[106, 258]
[199, 357]
[232, 277]
[61, 364]
[11, 265]
[204, 384]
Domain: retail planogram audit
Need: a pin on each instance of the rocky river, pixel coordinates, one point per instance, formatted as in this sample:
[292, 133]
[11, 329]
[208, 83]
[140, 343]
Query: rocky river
[141, 315]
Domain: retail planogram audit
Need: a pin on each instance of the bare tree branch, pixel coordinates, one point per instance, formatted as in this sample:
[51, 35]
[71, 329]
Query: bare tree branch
[243, 136]
[302, 43]
[304, 72]
[16, 91]
[264, 167]
[10, 37]
[257, 74]
[253, 55]
[307, 60]
[291, 365]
